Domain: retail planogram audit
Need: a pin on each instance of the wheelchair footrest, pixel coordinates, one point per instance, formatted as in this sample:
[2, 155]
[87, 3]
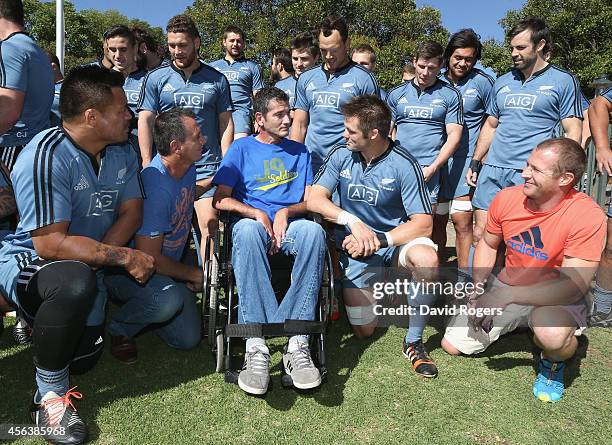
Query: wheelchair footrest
[288, 328]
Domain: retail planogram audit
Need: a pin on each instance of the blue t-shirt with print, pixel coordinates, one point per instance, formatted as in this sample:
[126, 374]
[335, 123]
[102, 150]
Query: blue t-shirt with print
[268, 177]
[168, 207]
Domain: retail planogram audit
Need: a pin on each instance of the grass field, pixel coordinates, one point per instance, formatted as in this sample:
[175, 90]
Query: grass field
[371, 396]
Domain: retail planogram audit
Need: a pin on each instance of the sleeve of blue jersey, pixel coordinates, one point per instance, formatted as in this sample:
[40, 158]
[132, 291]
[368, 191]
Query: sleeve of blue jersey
[228, 173]
[485, 85]
[391, 103]
[415, 196]
[329, 173]
[13, 73]
[492, 109]
[607, 93]
[301, 101]
[257, 79]
[42, 186]
[454, 111]
[134, 188]
[224, 98]
[157, 214]
[149, 95]
[570, 99]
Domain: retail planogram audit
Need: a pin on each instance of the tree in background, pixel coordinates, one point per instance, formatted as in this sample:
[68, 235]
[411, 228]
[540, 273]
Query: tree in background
[580, 31]
[392, 27]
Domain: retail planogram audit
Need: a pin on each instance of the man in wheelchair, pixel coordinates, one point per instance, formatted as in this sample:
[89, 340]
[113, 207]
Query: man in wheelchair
[264, 181]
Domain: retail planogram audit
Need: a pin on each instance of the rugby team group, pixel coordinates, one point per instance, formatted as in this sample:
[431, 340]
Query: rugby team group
[103, 179]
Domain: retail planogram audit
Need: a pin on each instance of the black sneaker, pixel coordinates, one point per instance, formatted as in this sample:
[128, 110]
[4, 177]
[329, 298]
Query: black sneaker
[58, 418]
[422, 363]
[22, 332]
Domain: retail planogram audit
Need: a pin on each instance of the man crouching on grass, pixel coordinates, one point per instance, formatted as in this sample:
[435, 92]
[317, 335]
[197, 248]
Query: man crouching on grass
[384, 218]
[554, 237]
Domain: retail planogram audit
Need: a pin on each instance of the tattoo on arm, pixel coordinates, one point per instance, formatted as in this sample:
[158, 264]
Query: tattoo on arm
[7, 202]
[110, 255]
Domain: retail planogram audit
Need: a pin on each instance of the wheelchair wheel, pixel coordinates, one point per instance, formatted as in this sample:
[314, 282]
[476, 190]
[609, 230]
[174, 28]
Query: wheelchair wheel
[219, 352]
[210, 300]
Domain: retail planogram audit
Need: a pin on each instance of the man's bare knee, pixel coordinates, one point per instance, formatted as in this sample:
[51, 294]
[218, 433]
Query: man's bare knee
[363, 332]
[448, 348]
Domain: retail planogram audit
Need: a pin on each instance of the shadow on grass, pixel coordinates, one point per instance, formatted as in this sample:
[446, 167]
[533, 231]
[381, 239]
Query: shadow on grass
[343, 354]
[158, 368]
[520, 341]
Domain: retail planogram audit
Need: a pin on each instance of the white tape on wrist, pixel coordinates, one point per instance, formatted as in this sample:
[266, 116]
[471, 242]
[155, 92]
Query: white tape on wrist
[346, 218]
[389, 239]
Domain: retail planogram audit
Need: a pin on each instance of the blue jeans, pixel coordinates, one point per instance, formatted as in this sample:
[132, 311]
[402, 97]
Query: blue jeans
[305, 241]
[162, 301]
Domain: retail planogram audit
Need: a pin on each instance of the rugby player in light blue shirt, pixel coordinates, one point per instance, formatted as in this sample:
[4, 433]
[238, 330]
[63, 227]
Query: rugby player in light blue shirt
[55, 118]
[528, 103]
[190, 83]
[283, 74]
[322, 90]
[26, 85]
[599, 120]
[244, 77]
[365, 56]
[122, 50]
[384, 220]
[80, 201]
[428, 115]
[461, 54]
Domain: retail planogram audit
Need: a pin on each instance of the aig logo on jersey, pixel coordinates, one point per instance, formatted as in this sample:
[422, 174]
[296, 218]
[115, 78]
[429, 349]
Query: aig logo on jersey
[189, 100]
[326, 99]
[102, 201]
[358, 192]
[521, 101]
[132, 96]
[232, 76]
[418, 112]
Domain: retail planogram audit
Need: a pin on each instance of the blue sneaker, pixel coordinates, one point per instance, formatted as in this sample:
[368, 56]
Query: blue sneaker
[548, 386]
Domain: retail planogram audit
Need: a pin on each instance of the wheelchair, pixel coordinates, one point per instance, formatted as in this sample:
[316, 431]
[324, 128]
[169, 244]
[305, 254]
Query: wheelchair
[220, 307]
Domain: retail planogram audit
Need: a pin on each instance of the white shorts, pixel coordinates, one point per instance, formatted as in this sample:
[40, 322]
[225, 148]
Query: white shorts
[464, 338]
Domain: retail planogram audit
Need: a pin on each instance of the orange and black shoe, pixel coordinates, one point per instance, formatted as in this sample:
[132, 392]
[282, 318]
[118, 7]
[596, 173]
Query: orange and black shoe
[422, 363]
[57, 418]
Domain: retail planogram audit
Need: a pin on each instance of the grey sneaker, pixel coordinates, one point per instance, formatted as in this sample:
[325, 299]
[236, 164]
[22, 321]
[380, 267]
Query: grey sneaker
[255, 374]
[300, 367]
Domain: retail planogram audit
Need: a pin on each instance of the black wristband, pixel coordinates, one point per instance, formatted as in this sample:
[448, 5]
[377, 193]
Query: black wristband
[383, 239]
[475, 166]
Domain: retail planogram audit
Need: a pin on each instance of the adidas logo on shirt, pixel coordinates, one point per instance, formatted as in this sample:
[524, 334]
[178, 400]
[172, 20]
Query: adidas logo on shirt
[82, 184]
[346, 174]
[311, 86]
[168, 88]
[505, 89]
[529, 243]
[98, 341]
[403, 100]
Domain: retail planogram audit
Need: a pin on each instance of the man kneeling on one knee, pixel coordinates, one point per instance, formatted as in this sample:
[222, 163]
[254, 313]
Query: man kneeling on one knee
[167, 300]
[264, 181]
[554, 237]
[384, 217]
